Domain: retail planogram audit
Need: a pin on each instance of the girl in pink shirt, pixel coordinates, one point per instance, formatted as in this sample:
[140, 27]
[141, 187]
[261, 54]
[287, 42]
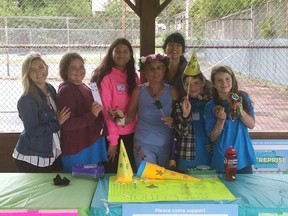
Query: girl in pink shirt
[116, 78]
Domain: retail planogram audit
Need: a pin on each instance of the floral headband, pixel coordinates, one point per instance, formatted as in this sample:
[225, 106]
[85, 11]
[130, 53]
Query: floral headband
[145, 60]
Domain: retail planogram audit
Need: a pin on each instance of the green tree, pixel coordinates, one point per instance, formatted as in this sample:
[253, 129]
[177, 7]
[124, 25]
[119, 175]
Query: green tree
[36, 8]
[203, 10]
[73, 8]
[174, 8]
[267, 28]
[216, 9]
[9, 8]
[112, 14]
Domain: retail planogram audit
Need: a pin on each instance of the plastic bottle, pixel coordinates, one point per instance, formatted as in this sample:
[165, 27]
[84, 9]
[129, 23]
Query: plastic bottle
[230, 164]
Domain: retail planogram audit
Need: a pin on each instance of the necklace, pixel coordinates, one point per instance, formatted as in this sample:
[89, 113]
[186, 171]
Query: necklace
[48, 99]
[155, 94]
[47, 93]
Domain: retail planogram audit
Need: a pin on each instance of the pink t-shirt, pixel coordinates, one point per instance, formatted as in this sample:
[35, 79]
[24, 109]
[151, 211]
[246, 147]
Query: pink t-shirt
[114, 93]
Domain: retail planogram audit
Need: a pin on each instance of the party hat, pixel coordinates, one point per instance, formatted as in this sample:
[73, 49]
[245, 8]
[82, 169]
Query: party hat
[192, 67]
[152, 171]
[124, 171]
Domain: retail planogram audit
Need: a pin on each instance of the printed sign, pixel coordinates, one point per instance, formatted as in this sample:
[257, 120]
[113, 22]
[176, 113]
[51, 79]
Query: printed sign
[271, 155]
[180, 209]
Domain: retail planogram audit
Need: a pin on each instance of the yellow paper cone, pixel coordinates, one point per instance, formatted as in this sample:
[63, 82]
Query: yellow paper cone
[192, 67]
[124, 171]
[153, 171]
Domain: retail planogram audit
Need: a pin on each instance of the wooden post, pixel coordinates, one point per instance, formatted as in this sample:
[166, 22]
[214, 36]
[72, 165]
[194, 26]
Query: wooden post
[147, 30]
[147, 10]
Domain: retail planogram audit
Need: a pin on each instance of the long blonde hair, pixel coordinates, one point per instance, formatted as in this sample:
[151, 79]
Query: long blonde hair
[28, 86]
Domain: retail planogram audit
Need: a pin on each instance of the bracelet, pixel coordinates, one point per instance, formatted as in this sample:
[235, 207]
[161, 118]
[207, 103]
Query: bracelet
[217, 130]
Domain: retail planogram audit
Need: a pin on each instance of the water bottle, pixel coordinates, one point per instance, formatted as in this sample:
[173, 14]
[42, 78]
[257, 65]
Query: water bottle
[230, 164]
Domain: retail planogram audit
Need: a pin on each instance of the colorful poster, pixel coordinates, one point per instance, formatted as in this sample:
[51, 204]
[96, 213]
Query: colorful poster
[144, 190]
[271, 155]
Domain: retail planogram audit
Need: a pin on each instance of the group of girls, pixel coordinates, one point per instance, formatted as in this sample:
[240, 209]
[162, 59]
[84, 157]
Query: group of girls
[70, 127]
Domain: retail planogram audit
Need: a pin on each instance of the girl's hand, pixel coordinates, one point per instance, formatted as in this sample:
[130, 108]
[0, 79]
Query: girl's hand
[112, 113]
[117, 116]
[63, 115]
[96, 108]
[219, 112]
[168, 121]
[209, 147]
[186, 107]
[112, 151]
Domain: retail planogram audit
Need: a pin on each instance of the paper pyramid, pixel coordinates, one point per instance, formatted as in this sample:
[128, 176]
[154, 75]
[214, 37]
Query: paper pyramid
[153, 171]
[192, 67]
[124, 171]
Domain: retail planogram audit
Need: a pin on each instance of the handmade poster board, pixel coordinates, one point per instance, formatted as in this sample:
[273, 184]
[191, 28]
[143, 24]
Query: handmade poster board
[255, 195]
[147, 190]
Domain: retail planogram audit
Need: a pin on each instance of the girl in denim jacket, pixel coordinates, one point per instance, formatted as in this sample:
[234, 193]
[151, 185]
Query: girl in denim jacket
[38, 146]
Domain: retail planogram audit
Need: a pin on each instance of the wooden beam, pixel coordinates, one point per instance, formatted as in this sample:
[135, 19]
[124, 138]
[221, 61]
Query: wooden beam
[135, 8]
[269, 135]
[162, 7]
[147, 30]
[147, 10]
[7, 144]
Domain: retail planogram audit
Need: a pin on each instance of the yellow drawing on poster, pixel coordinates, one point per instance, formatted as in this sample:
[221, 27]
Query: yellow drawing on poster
[144, 190]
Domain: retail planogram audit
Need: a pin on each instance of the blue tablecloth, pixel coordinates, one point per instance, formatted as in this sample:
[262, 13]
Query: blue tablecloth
[255, 193]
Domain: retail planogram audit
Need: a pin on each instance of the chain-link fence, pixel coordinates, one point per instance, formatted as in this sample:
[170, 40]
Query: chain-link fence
[252, 39]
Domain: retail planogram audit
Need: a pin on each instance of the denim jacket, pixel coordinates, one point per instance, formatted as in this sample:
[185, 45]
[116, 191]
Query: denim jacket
[40, 123]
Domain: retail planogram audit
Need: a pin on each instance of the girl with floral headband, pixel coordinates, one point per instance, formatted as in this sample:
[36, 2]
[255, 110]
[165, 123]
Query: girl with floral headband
[152, 102]
[228, 116]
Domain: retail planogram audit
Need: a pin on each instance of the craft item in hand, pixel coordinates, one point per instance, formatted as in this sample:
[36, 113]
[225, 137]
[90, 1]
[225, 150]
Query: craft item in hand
[236, 106]
[239, 107]
[120, 120]
[95, 93]
[217, 109]
[158, 104]
[118, 116]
